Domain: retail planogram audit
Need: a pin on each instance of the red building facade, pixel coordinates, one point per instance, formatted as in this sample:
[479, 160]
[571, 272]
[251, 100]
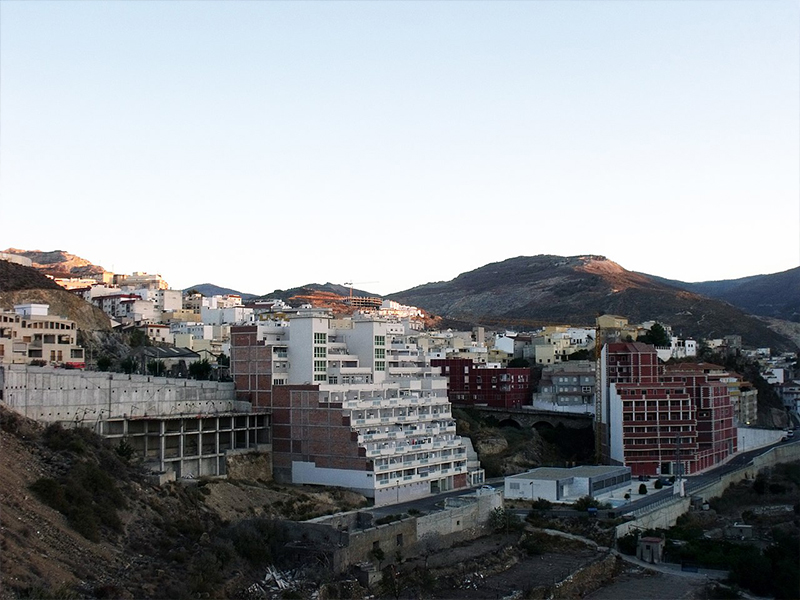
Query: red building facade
[470, 383]
[663, 421]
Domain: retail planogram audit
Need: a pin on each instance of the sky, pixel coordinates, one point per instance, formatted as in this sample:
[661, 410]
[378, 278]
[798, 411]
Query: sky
[267, 145]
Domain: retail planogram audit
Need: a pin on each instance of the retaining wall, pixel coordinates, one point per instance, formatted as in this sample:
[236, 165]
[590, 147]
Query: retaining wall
[50, 395]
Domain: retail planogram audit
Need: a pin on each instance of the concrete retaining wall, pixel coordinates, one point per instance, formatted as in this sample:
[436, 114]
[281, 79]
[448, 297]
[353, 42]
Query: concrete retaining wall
[52, 395]
[750, 437]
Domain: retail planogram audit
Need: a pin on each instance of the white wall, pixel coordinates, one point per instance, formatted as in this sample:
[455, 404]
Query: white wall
[750, 437]
[309, 473]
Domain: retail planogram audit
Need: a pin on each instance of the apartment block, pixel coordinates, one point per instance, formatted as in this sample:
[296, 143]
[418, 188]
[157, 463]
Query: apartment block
[567, 387]
[354, 404]
[30, 334]
[662, 421]
[475, 384]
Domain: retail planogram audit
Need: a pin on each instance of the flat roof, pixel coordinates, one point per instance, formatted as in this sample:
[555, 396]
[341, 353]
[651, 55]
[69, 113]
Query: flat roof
[556, 473]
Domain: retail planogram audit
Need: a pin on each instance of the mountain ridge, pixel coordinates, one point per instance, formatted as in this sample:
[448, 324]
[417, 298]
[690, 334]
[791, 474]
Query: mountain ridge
[535, 290]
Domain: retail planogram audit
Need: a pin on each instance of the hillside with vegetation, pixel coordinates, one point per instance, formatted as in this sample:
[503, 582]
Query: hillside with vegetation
[531, 291]
[81, 519]
[776, 295]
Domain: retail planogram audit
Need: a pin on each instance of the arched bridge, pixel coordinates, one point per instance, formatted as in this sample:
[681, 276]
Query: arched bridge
[530, 417]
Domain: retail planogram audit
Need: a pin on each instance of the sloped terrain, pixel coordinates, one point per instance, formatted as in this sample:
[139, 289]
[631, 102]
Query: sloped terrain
[58, 263]
[14, 277]
[78, 520]
[62, 303]
[210, 289]
[527, 292]
[776, 295]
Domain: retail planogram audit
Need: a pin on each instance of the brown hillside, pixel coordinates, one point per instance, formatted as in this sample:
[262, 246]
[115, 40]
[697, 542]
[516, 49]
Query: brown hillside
[62, 303]
[530, 291]
[18, 277]
[58, 262]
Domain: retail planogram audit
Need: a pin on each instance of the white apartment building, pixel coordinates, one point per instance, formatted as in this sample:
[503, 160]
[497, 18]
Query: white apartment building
[385, 423]
[31, 335]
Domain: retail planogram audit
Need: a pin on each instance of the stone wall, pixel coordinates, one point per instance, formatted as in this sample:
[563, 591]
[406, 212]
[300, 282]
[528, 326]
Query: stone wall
[586, 580]
[349, 538]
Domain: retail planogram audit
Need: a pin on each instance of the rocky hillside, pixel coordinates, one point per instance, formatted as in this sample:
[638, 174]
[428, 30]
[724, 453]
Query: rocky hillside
[80, 520]
[530, 291]
[58, 263]
[776, 295]
[14, 277]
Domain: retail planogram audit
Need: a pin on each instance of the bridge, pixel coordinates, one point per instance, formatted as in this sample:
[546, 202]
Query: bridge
[525, 418]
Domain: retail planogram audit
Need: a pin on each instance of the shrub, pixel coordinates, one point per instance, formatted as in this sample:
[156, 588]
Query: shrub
[658, 485]
[627, 543]
[642, 489]
[541, 504]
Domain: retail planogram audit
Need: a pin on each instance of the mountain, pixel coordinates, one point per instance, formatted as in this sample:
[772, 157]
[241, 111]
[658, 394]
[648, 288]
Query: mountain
[310, 289]
[209, 289]
[530, 291]
[58, 263]
[776, 295]
[14, 277]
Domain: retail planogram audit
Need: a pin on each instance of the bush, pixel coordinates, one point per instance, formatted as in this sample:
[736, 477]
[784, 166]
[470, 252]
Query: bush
[627, 543]
[658, 485]
[541, 504]
[642, 489]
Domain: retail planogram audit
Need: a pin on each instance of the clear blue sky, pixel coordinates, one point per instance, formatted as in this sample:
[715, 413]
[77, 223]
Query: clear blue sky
[263, 145]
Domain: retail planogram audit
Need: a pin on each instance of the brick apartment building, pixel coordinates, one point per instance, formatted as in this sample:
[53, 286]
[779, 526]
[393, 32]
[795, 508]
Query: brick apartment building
[661, 421]
[353, 405]
[471, 383]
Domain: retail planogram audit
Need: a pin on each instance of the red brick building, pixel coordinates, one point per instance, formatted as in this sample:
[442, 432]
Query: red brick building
[472, 383]
[661, 421]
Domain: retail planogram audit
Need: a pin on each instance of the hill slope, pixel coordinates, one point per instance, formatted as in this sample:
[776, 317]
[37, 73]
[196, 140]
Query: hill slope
[530, 291]
[15, 277]
[210, 289]
[59, 263]
[776, 295]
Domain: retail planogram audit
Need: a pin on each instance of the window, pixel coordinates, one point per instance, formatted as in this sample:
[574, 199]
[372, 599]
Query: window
[380, 365]
[320, 352]
[320, 377]
[320, 365]
[320, 338]
[380, 353]
[380, 340]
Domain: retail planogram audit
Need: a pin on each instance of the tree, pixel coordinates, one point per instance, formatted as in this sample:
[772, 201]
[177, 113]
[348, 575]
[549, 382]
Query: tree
[128, 365]
[642, 489]
[582, 354]
[104, 363]
[657, 336]
[138, 338]
[223, 360]
[518, 363]
[156, 367]
[200, 369]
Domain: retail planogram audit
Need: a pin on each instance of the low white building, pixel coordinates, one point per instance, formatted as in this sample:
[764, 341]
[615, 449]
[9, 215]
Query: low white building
[566, 485]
